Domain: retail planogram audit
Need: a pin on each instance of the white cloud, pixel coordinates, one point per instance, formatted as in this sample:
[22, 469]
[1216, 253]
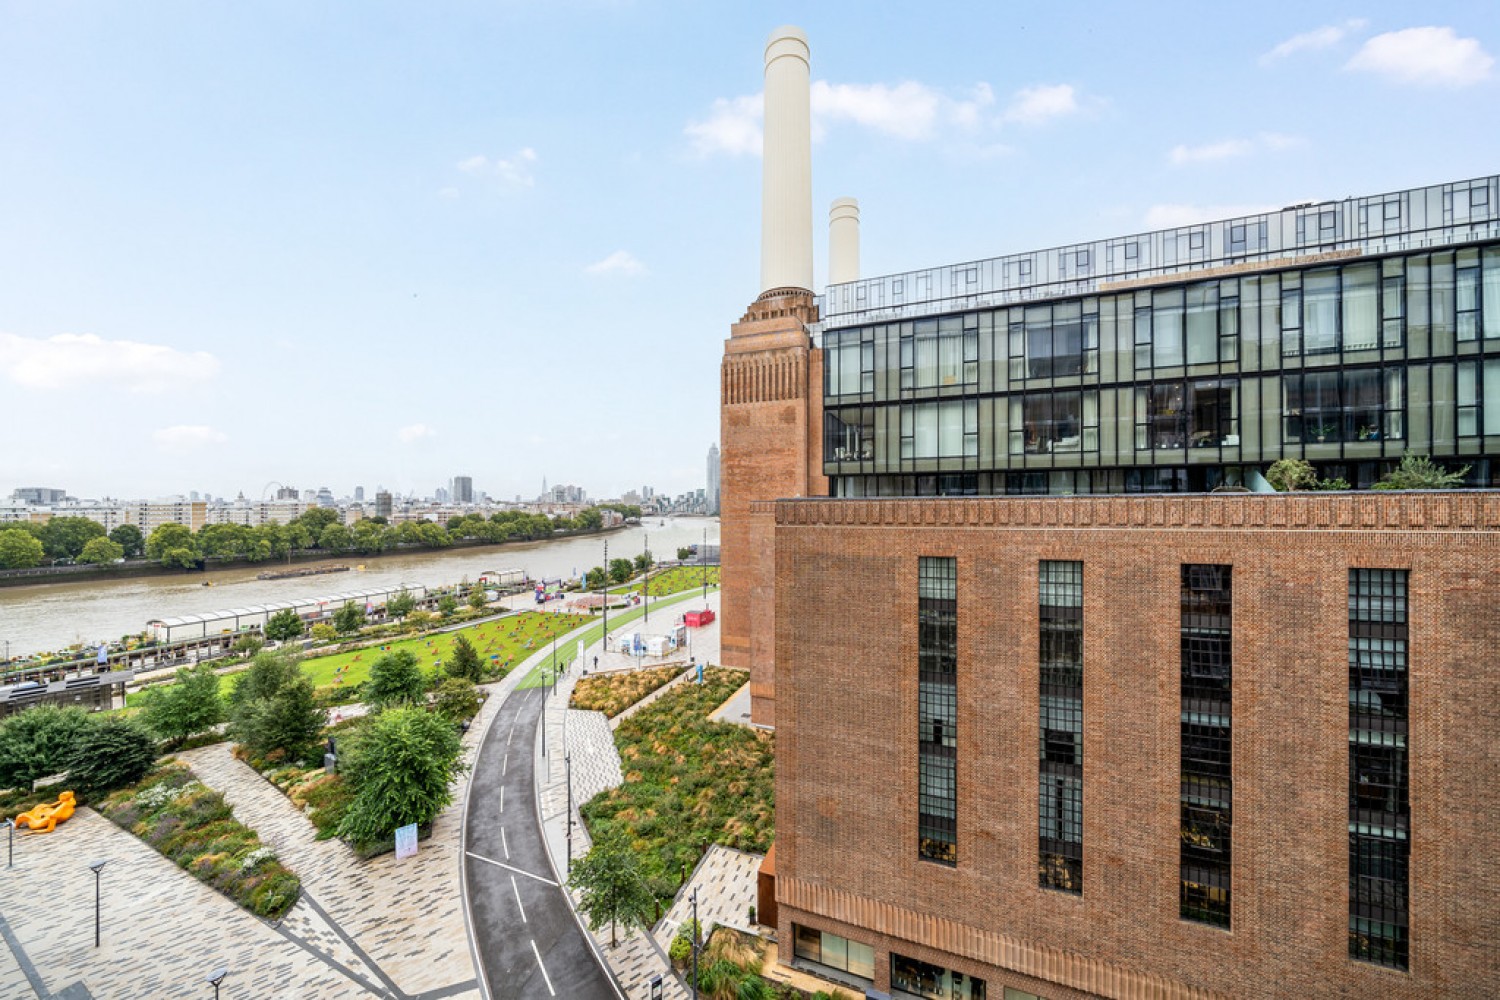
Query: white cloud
[1230, 148]
[619, 262]
[72, 360]
[906, 111]
[1043, 102]
[1430, 55]
[514, 171]
[414, 432]
[1325, 37]
[185, 438]
[732, 127]
[1171, 216]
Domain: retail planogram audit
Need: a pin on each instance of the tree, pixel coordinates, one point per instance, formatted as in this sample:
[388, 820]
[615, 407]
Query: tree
[456, 700]
[65, 537]
[349, 618]
[596, 578]
[463, 661]
[613, 888]
[1289, 474]
[395, 679]
[129, 538]
[447, 604]
[324, 632]
[181, 557]
[20, 549]
[336, 538]
[101, 551]
[684, 554]
[401, 605]
[35, 743]
[399, 765]
[283, 625]
[273, 710]
[620, 570]
[191, 705]
[247, 645]
[476, 598]
[1418, 472]
[109, 753]
[168, 537]
[315, 520]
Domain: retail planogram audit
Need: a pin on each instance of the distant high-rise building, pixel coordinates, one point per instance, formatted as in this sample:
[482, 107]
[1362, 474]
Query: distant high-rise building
[440, 494]
[325, 497]
[40, 494]
[463, 489]
[359, 494]
[287, 493]
[383, 505]
[712, 495]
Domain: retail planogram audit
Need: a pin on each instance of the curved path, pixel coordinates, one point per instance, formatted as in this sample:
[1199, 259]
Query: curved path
[527, 941]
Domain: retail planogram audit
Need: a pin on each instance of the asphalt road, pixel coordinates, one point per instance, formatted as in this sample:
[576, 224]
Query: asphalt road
[530, 945]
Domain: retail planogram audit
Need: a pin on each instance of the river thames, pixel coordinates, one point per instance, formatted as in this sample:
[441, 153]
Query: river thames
[54, 615]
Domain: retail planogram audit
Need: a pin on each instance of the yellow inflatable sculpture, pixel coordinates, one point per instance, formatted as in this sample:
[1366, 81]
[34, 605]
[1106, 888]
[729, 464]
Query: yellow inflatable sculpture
[44, 818]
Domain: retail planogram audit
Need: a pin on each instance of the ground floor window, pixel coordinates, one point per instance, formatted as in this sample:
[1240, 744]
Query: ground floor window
[909, 977]
[834, 952]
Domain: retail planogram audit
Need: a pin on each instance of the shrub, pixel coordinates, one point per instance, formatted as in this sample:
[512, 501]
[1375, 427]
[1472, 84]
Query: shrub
[190, 705]
[274, 712]
[398, 766]
[395, 679]
[35, 743]
[457, 699]
[463, 661]
[1289, 474]
[1418, 472]
[109, 753]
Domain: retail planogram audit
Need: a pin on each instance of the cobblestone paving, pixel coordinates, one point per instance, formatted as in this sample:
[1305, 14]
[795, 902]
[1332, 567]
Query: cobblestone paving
[725, 880]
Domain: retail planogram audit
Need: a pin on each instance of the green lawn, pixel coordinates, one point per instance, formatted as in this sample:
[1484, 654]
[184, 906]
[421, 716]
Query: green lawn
[675, 581]
[541, 674]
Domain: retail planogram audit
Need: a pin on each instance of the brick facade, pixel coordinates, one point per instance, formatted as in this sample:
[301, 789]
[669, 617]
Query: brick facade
[845, 639]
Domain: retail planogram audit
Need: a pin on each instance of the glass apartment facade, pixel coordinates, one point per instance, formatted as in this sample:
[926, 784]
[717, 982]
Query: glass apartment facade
[1345, 333]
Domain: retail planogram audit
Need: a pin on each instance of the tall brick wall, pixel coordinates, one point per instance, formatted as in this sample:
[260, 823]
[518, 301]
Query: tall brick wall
[770, 407]
[846, 642]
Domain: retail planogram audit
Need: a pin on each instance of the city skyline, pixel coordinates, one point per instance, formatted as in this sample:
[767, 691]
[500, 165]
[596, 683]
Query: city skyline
[417, 243]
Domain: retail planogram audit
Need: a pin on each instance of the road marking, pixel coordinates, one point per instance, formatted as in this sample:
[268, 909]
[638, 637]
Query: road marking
[539, 965]
[505, 765]
[510, 868]
[518, 900]
[505, 843]
[502, 798]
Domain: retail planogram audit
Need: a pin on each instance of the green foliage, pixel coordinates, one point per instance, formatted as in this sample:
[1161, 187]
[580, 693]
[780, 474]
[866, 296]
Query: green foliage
[680, 951]
[613, 693]
[684, 554]
[476, 598]
[191, 705]
[456, 699]
[273, 711]
[35, 743]
[65, 537]
[1289, 474]
[247, 645]
[324, 632]
[612, 886]
[1336, 483]
[283, 625]
[399, 765]
[1418, 472]
[596, 579]
[100, 551]
[168, 543]
[401, 605]
[643, 562]
[349, 618]
[395, 679]
[621, 570]
[463, 661]
[129, 538]
[20, 549]
[108, 753]
[447, 605]
[192, 826]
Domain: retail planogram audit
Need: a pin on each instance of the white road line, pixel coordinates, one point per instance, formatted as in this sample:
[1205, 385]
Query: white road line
[505, 765]
[517, 890]
[505, 843]
[510, 868]
[539, 965]
[502, 798]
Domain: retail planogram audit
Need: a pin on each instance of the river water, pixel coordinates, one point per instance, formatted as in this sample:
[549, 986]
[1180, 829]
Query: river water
[54, 615]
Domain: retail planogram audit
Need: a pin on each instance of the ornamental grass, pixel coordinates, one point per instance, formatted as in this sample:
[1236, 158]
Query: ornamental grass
[614, 693]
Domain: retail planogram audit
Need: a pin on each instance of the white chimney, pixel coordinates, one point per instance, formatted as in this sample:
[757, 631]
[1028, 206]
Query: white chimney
[843, 241]
[786, 257]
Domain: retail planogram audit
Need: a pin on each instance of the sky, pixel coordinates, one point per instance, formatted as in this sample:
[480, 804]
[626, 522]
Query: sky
[374, 244]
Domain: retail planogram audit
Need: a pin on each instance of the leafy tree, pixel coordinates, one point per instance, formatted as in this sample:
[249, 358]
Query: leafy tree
[313, 521]
[283, 625]
[1418, 472]
[447, 605]
[596, 578]
[613, 888]
[588, 520]
[247, 645]
[35, 743]
[463, 661]
[401, 605]
[399, 765]
[477, 599]
[181, 557]
[395, 679]
[109, 753]
[1289, 474]
[324, 632]
[684, 554]
[20, 549]
[273, 708]
[65, 537]
[644, 562]
[168, 537]
[129, 538]
[336, 538]
[620, 570]
[457, 699]
[100, 551]
[371, 538]
[191, 705]
[349, 618]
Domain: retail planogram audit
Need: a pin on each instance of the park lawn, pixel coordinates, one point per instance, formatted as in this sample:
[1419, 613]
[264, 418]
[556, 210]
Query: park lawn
[689, 782]
[675, 581]
[567, 651]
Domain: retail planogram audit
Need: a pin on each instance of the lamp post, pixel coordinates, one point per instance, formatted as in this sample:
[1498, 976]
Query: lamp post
[96, 868]
[10, 847]
[568, 765]
[216, 977]
[606, 595]
[554, 659]
[646, 577]
[703, 563]
[695, 942]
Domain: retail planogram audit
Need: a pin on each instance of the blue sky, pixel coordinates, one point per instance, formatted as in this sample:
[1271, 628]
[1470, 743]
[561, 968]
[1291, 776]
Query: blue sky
[378, 244]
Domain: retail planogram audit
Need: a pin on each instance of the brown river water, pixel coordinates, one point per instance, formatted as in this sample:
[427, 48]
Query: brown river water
[54, 615]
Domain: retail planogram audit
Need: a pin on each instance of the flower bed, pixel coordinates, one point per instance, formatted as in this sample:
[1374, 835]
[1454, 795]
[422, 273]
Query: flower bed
[689, 782]
[192, 825]
[614, 693]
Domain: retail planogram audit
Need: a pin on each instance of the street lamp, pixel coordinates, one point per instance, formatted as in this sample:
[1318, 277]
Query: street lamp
[695, 942]
[568, 764]
[703, 563]
[10, 847]
[606, 595]
[96, 868]
[646, 577]
[216, 977]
